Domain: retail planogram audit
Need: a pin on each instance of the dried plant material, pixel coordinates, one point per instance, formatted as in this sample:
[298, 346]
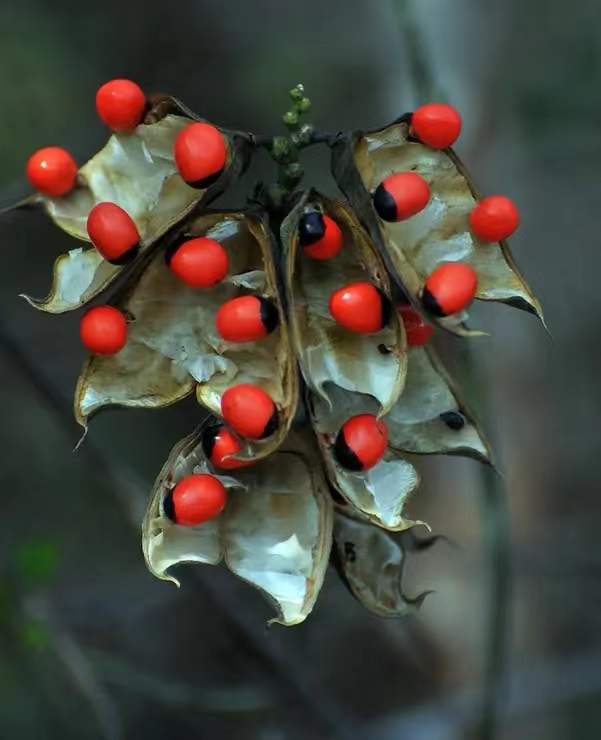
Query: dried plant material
[275, 532]
[440, 232]
[381, 492]
[430, 417]
[173, 346]
[328, 353]
[137, 172]
[371, 564]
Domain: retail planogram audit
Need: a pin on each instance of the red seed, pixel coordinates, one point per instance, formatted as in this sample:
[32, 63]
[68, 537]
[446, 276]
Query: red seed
[319, 235]
[450, 288]
[120, 104]
[401, 195]
[249, 410]
[103, 330]
[200, 262]
[418, 331]
[359, 307]
[362, 442]
[220, 446]
[195, 499]
[52, 171]
[200, 154]
[436, 124]
[113, 232]
[246, 319]
[494, 218]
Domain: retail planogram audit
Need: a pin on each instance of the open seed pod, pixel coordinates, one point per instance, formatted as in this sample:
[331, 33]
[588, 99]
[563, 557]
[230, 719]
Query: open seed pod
[371, 564]
[328, 353]
[275, 532]
[430, 416]
[380, 493]
[439, 233]
[173, 344]
[137, 171]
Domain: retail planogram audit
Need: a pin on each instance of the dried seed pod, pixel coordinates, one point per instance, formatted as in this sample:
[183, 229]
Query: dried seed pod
[380, 493]
[374, 363]
[371, 564]
[413, 248]
[430, 417]
[274, 533]
[136, 171]
[173, 345]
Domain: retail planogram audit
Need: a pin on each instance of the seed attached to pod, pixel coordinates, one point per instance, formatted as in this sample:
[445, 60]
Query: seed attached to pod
[436, 124]
[199, 262]
[249, 410]
[450, 288]
[120, 104]
[246, 319]
[113, 233]
[195, 499]
[319, 235]
[401, 195]
[200, 154]
[103, 330]
[220, 445]
[52, 171]
[360, 307]
[494, 218]
[455, 420]
[418, 331]
[361, 442]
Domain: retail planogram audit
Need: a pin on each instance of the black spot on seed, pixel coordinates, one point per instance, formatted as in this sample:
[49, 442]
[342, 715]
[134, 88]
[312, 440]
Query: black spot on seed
[269, 314]
[431, 304]
[384, 204]
[344, 455]
[311, 228]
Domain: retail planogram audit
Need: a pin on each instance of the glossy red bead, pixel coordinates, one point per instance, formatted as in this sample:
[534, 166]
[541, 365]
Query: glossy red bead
[200, 154]
[113, 232]
[220, 445]
[362, 442]
[450, 288]
[494, 218]
[246, 319]
[195, 499]
[199, 262]
[120, 104]
[249, 411]
[418, 331]
[319, 235]
[52, 171]
[359, 307]
[103, 330]
[400, 196]
[436, 124]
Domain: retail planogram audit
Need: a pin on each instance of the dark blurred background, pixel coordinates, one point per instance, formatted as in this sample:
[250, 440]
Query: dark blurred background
[91, 646]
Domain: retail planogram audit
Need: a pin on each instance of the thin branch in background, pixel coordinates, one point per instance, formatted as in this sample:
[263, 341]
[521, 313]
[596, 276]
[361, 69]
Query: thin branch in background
[493, 504]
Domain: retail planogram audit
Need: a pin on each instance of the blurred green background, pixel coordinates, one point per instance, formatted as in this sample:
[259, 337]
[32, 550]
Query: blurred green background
[91, 646]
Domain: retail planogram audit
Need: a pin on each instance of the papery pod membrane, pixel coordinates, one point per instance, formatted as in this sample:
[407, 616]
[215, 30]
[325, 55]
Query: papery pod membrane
[381, 492]
[371, 563]
[275, 532]
[137, 171]
[413, 248]
[430, 417]
[373, 364]
[173, 345]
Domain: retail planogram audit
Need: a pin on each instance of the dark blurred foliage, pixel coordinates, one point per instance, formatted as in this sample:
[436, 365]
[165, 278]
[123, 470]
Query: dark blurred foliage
[90, 645]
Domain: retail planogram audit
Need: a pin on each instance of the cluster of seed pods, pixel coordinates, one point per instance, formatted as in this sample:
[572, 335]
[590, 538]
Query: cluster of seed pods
[200, 154]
